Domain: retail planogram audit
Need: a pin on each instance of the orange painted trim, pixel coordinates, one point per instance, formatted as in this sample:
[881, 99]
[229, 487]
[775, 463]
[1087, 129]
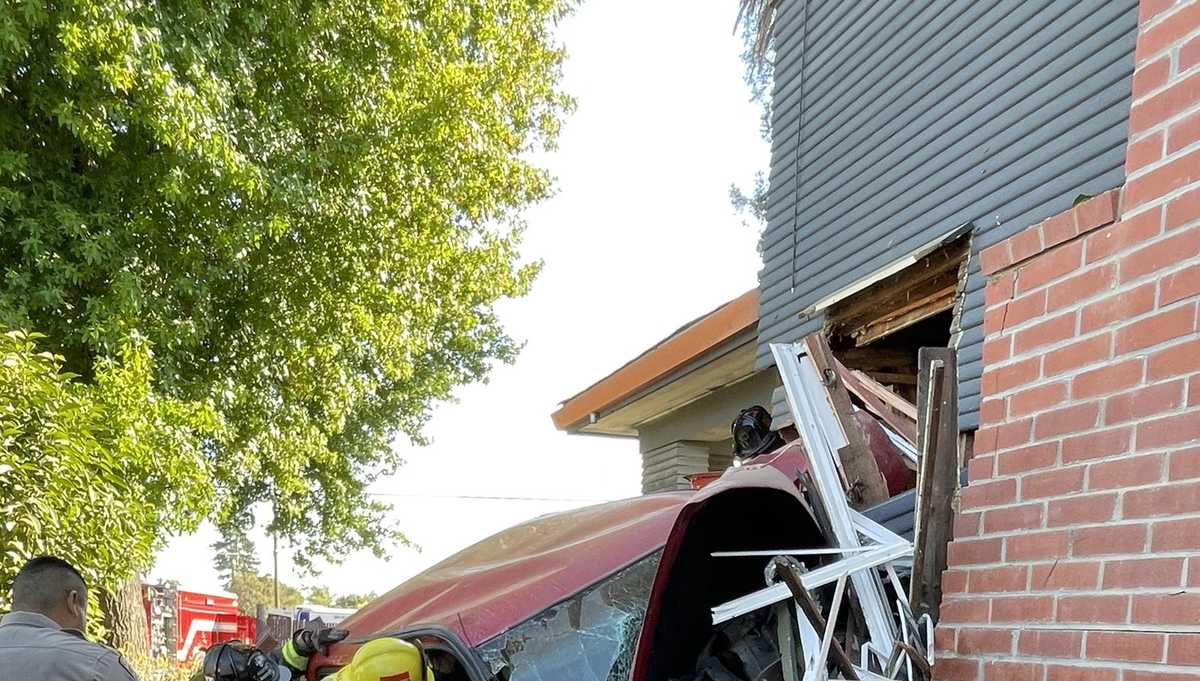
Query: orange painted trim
[682, 347]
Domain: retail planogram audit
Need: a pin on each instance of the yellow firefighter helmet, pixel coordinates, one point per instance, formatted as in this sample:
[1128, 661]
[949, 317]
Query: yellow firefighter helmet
[387, 659]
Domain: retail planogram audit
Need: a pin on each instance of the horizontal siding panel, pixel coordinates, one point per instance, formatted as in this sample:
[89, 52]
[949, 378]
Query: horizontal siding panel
[906, 120]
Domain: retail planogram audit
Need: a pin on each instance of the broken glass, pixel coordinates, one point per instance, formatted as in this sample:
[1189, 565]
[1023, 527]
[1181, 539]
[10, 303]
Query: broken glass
[588, 637]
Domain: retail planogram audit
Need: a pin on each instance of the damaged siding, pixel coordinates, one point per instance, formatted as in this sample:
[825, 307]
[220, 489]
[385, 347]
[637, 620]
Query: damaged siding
[895, 122]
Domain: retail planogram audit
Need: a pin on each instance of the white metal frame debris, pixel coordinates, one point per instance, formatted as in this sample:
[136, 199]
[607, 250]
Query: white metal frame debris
[866, 545]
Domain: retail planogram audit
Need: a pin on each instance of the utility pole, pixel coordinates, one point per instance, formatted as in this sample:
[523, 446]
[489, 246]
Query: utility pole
[275, 573]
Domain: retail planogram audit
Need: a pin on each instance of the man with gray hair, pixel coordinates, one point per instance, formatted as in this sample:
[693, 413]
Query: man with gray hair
[42, 638]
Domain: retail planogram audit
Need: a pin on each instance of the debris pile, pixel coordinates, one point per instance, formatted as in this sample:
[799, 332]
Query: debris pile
[864, 606]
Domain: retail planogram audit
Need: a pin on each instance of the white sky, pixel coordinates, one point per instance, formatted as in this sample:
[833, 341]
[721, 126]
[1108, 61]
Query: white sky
[640, 239]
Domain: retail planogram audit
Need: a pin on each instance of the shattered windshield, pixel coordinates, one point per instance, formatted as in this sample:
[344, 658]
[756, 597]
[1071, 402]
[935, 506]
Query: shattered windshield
[588, 637]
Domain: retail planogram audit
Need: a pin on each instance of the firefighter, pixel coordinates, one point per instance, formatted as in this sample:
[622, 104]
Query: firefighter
[42, 638]
[384, 658]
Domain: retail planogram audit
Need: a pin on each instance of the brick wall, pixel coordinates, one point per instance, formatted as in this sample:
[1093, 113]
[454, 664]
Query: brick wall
[1077, 549]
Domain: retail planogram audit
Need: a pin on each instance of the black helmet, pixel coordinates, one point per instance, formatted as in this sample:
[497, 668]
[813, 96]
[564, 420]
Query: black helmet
[752, 434]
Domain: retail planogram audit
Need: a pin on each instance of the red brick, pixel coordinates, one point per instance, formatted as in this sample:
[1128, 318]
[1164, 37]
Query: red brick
[1052, 483]
[1001, 379]
[1022, 609]
[954, 581]
[999, 288]
[1097, 211]
[1108, 540]
[1057, 672]
[1193, 575]
[1159, 328]
[944, 638]
[1027, 458]
[991, 411]
[1027, 307]
[1108, 378]
[1148, 9]
[980, 468]
[1024, 517]
[1073, 419]
[1117, 307]
[1081, 352]
[1148, 572]
[1053, 330]
[993, 493]
[1194, 391]
[1172, 608]
[1145, 151]
[1128, 646]
[994, 670]
[1130, 472]
[1175, 99]
[1183, 133]
[1096, 445]
[1184, 465]
[1161, 254]
[1175, 174]
[1176, 360]
[1144, 402]
[977, 641]
[955, 669]
[1059, 228]
[998, 579]
[1150, 77]
[1095, 508]
[997, 350]
[966, 524]
[1036, 546]
[1189, 54]
[973, 552]
[964, 610]
[1063, 576]
[1037, 398]
[1026, 244]
[1183, 649]
[1049, 266]
[1161, 35]
[993, 319]
[1170, 499]
[1169, 430]
[1003, 436]
[1081, 286]
[1050, 643]
[1124, 234]
[1176, 535]
[1179, 285]
[995, 258]
[1183, 209]
[1108, 609]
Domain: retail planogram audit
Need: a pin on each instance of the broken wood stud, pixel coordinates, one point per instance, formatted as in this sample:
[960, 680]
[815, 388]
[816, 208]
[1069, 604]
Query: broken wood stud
[789, 571]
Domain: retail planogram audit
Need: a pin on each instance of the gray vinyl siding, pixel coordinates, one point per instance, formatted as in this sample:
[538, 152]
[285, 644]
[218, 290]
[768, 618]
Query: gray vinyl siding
[895, 122]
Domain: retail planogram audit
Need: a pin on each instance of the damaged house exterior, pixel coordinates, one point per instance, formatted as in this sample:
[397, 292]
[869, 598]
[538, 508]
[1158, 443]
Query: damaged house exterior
[1019, 182]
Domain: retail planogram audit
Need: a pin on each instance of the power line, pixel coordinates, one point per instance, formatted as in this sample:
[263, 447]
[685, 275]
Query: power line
[481, 497]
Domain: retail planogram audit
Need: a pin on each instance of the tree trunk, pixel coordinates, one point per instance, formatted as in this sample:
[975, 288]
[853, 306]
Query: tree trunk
[125, 618]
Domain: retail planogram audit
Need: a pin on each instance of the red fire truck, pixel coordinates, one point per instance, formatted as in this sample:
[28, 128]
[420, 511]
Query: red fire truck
[183, 623]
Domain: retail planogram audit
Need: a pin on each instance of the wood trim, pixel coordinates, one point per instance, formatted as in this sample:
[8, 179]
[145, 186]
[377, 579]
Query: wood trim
[680, 348]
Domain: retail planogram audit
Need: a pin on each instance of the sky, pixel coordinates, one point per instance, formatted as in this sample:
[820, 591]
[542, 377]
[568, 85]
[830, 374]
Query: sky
[639, 239]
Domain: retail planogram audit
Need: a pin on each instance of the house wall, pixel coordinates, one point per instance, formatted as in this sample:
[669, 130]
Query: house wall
[895, 122]
[1077, 548]
[695, 438]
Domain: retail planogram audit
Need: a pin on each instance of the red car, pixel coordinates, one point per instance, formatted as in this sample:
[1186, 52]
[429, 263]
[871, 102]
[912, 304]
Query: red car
[610, 592]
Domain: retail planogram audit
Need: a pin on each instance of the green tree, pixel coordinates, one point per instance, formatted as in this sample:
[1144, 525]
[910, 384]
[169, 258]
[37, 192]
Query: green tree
[285, 222]
[234, 553]
[87, 476]
[253, 590]
[354, 601]
[319, 595]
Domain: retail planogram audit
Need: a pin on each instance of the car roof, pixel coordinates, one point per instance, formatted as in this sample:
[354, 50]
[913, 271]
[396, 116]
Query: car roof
[507, 578]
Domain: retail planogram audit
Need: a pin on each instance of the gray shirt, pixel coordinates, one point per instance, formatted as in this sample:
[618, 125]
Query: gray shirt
[34, 648]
